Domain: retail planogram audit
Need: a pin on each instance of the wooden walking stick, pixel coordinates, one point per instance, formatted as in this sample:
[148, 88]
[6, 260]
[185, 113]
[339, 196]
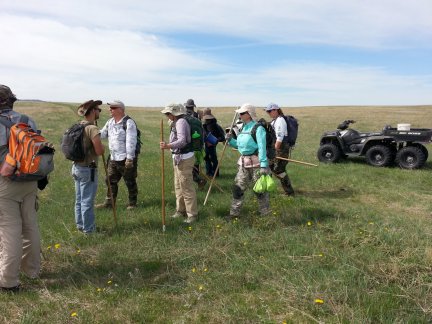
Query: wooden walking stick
[295, 161]
[113, 204]
[162, 176]
[220, 160]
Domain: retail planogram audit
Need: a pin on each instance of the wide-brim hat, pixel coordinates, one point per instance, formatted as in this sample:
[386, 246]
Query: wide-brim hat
[207, 114]
[249, 108]
[175, 109]
[86, 106]
[190, 103]
[206, 117]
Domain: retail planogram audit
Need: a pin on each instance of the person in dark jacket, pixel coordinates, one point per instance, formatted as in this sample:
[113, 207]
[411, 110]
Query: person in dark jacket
[213, 134]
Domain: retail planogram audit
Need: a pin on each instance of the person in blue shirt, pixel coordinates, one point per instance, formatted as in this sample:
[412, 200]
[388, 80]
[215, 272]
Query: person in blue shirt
[252, 162]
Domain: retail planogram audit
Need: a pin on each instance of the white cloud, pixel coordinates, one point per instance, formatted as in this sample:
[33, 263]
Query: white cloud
[362, 23]
[77, 50]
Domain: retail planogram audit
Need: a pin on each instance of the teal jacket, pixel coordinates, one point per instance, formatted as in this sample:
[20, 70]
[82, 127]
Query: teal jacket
[246, 144]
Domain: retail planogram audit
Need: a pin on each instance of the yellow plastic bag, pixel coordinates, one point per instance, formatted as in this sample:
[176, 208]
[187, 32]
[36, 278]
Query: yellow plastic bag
[261, 185]
[270, 183]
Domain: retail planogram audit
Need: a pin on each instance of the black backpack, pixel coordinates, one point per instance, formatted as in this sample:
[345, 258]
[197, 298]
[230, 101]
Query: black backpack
[72, 144]
[292, 127]
[139, 142]
[270, 137]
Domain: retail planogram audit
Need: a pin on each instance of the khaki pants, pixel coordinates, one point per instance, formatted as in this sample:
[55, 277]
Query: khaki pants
[186, 200]
[19, 232]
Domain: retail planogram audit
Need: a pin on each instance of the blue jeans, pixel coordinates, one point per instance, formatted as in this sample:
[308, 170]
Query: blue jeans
[85, 192]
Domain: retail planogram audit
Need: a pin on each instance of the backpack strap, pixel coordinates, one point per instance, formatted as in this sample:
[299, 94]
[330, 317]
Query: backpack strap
[6, 122]
[124, 122]
[254, 130]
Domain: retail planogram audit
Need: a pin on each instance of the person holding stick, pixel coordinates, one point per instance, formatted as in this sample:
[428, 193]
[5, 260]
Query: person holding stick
[85, 172]
[282, 147]
[180, 144]
[252, 163]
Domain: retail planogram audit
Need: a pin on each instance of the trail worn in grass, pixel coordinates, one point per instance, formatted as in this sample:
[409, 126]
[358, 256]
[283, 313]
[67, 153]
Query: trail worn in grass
[354, 245]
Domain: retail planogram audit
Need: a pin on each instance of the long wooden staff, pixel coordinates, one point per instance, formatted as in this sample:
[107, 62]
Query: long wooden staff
[163, 176]
[220, 160]
[113, 203]
[295, 161]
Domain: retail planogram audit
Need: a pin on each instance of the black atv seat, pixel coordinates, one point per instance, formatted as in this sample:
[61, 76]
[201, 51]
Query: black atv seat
[354, 137]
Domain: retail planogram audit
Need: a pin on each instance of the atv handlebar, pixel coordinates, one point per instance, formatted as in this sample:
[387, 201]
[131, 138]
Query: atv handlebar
[345, 124]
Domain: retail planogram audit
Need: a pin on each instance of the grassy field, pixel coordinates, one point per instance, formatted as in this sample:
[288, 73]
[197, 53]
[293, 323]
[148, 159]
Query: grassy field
[353, 246]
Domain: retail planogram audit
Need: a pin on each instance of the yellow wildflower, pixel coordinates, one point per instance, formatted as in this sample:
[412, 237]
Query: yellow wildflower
[49, 247]
[57, 246]
[200, 287]
[309, 223]
[205, 269]
[193, 270]
[109, 282]
[319, 301]
[190, 228]
[74, 314]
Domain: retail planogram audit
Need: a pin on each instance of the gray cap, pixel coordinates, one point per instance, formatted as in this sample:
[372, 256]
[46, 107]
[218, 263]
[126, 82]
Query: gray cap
[116, 103]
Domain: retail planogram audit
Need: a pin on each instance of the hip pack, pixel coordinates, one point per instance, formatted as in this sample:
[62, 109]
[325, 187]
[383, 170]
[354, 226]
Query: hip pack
[30, 157]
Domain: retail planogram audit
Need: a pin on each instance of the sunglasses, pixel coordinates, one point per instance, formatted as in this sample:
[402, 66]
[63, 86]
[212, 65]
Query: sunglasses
[243, 113]
[112, 108]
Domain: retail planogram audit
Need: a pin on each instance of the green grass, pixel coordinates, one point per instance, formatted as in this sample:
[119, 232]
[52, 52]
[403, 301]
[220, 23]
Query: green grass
[356, 237]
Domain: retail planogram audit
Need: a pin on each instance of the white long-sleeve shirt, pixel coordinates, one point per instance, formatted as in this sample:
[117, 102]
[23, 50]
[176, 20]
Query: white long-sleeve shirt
[280, 126]
[121, 143]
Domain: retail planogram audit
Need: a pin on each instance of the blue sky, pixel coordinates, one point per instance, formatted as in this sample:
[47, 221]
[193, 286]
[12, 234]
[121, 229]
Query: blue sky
[219, 52]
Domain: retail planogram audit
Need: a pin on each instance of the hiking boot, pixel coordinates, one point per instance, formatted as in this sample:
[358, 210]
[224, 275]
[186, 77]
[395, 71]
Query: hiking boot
[202, 183]
[13, 289]
[103, 205]
[230, 218]
[179, 214]
[190, 219]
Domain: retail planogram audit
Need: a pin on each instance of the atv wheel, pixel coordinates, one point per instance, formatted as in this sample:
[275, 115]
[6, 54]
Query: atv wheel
[424, 150]
[410, 157]
[329, 153]
[379, 156]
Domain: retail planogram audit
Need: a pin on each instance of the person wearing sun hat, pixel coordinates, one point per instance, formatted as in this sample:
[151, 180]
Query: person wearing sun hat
[180, 144]
[251, 164]
[282, 147]
[85, 172]
[214, 134]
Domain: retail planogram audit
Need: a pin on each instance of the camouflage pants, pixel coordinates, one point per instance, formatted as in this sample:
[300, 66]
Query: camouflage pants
[116, 171]
[246, 177]
[278, 168]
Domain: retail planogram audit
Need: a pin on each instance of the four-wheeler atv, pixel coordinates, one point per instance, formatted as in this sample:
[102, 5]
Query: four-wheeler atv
[405, 148]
